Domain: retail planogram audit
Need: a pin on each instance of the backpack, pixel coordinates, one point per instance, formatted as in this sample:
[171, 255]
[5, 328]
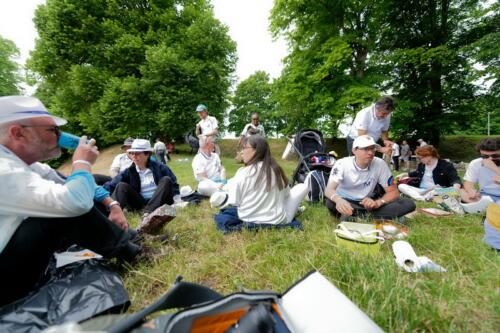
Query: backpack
[317, 183]
[311, 305]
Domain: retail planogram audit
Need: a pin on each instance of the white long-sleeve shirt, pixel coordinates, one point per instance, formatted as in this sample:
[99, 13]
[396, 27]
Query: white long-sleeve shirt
[33, 191]
[253, 202]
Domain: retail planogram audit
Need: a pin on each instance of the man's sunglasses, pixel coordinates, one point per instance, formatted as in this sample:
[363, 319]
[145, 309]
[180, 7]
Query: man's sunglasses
[54, 129]
[493, 156]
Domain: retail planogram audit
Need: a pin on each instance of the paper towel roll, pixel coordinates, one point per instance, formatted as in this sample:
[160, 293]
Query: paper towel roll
[406, 257]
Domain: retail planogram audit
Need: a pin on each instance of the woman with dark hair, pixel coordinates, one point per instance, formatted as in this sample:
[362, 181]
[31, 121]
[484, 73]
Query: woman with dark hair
[432, 172]
[258, 195]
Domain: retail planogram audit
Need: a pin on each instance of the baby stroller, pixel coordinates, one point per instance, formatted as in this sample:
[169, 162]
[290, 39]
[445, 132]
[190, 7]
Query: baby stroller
[310, 147]
[192, 141]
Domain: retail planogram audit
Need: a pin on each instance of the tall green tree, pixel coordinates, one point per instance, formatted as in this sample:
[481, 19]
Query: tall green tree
[9, 70]
[117, 68]
[328, 73]
[426, 53]
[422, 45]
[254, 95]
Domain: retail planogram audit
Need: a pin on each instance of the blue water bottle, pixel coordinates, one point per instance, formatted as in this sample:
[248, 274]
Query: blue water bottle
[68, 141]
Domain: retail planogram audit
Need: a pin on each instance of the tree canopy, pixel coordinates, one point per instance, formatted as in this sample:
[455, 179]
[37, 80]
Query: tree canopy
[119, 68]
[344, 54]
[9, 70]
[255, 94]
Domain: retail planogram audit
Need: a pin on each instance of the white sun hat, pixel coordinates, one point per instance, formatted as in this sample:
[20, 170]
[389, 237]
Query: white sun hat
[186, 190]
[219, 199]
[140, 145]
[14, 108]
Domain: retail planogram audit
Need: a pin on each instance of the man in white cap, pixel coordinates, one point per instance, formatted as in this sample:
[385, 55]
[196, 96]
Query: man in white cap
[374, 121]
[38, 212]
[350, 188]
[207, 126]
[207, 168]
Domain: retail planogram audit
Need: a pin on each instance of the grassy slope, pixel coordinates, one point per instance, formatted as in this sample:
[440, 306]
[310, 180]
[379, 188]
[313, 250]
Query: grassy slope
[466, 298]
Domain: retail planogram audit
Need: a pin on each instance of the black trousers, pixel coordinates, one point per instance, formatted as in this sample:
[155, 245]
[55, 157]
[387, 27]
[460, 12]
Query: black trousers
[395, 160]
[349, 142]
[128, 197]
[25, 258]
[160, 156]
[101, 179]
[389, 211]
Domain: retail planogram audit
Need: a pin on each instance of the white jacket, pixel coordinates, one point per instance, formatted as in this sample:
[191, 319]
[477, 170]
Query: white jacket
[34, 191]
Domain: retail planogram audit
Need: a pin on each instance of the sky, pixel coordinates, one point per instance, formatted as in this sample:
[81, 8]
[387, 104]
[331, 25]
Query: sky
[247, 22]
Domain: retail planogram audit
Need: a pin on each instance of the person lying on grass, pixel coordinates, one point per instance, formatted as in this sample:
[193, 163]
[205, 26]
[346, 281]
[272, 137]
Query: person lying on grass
[353, 179]
[258, 195]
[148, 185]
[432, 172]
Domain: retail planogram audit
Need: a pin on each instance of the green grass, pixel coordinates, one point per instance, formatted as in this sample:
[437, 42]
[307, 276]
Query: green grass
[464, 299]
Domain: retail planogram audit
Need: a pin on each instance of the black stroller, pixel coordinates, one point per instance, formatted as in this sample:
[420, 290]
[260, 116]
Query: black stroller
[310, 147]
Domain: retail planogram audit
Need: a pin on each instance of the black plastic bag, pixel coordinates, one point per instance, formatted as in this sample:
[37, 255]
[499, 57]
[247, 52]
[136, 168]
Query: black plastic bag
[74, 292]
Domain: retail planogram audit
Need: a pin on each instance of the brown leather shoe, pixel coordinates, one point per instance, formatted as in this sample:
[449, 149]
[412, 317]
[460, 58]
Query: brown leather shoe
[154, 222]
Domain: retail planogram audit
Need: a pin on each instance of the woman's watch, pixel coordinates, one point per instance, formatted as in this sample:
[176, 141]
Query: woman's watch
[382, 201]
[113, 203]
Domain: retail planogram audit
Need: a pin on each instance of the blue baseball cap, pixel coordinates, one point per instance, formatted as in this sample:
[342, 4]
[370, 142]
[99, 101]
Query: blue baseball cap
[201, 107]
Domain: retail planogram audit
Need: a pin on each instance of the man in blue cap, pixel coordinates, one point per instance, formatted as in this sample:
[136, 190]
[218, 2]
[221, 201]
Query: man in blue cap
[40, 212]
[207, 126]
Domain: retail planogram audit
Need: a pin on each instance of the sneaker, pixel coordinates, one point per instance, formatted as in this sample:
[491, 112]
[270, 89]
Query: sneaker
[153, 222]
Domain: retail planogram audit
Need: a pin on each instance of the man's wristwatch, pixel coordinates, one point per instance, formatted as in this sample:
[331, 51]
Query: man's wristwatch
[382, 201]
[113, 203]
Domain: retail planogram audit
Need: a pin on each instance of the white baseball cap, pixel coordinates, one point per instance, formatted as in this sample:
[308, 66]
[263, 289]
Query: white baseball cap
[14, 108]
[364, 141]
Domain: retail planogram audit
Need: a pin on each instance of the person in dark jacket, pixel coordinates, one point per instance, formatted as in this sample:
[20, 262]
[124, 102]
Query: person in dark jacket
[147, 185]
[432, 172]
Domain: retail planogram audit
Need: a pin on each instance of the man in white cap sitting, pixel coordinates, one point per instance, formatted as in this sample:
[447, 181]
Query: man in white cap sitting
[207, 168]
[40, 212]
[352, 182]
[148, 185]
[207, 126]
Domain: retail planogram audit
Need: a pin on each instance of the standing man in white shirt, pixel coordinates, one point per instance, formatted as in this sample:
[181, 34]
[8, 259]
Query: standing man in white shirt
[353, 180]
[374, 121]
[207, 126]
[395, 155]
[121, 161]
[207, 168]
[37, 214]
